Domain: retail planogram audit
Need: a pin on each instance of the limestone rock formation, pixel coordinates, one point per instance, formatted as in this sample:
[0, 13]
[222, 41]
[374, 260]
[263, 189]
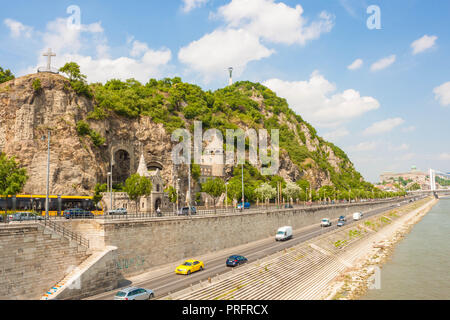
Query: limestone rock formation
[77, 163]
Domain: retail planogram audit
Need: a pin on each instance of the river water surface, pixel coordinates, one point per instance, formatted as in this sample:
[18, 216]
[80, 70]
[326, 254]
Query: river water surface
[419, 268]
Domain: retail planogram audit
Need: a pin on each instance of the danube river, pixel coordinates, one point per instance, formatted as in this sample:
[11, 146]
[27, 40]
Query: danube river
[420, 264]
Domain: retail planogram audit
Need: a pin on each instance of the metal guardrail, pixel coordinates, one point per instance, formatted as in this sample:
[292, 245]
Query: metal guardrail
[65, 232]
[223, 211]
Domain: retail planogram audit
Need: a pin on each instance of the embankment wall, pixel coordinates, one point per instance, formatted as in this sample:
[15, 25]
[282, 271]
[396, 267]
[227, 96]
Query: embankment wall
[146, 243]
[33, 259]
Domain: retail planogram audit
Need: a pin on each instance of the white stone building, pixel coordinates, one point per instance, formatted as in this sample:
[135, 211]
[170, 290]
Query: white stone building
[157, 199]
[213, 162]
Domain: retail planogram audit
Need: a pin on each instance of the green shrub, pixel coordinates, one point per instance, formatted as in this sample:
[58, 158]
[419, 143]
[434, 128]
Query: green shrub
[97, 139]
[84, 129]
[37, 85]
[177, 104]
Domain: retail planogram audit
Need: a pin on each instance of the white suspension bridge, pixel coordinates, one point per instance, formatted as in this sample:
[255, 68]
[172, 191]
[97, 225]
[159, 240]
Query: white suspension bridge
[434, 188]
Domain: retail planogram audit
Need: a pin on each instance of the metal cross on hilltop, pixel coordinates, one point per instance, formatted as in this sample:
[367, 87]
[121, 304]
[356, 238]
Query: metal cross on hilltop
[49, 54]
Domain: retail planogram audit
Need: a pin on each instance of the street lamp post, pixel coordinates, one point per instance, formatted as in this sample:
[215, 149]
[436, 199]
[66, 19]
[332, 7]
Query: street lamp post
[110, 190]
[48, 174]
[178, 188]
[242, 186]
[226, 196]
[111, 180]
[189, 181]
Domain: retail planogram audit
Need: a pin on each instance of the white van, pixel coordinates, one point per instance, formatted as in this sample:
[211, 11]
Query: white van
[284, 233]
[357, 216]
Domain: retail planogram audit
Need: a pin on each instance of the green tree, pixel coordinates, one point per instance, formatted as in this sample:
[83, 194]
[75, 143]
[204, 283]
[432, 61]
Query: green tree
[72, 69]
[5, 75]
[12, 177]
[195, 172]
[99, 188]
[303, 184]
[291, 191]
[265, 192]
[77, 79]
[215, 188]
[414, 186]
[136, 187]
[172, 192]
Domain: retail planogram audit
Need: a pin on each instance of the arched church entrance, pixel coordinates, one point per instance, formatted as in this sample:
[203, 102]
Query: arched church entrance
[122, 166]
[158, 204]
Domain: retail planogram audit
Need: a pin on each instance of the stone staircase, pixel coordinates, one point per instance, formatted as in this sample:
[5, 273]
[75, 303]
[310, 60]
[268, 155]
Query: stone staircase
[70, 280]
[36, 257]
[66, 233]
[73, 280]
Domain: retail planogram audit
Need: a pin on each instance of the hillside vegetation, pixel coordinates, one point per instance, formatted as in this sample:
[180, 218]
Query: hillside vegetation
[306, 159]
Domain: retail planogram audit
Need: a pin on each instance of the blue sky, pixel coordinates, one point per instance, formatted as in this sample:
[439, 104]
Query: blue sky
[386, 118]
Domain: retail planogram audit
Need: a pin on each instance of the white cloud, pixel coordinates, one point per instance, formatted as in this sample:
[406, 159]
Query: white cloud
[101, 70]
[315, 102]
[443, 94]
[405, 157]
[88, 46]
[402, 147]
[138, 48]
[192, 4]
[409, 129]
[350, 10]
[422, 44]
[215, 52]
[274, 22]
[336, 134]
[247, 23]
[356, 64]
[383, 63]
[64, 39]
[383, 126]
[18, 29]
[444, 156]
[364, 146]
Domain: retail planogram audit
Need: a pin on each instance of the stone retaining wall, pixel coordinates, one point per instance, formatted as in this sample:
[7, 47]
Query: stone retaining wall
[33, 259]
[143, 244]
[98, 274]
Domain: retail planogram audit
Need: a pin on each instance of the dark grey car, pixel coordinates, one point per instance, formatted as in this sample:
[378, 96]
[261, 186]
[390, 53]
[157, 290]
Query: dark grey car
[25, 216]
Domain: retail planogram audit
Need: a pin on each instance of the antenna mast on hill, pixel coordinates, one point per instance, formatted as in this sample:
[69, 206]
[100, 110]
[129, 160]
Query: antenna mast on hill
[230, 70]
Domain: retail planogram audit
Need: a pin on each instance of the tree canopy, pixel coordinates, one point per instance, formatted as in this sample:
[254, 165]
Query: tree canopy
[244, 104]
[172, 192]
[72, 69]
[265, 192]
[291, 191]
[77, 79]
[136, 187]
[214, 187]
[12, 176]
[5, 75]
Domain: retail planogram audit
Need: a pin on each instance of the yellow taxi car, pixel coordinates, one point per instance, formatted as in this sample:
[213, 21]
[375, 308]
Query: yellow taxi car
[190, 266]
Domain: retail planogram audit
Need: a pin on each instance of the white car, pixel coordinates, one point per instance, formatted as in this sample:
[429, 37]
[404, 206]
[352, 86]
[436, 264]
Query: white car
[357, 216]
[134, 293]
[118, 212]
[325, 222]
[284, 233]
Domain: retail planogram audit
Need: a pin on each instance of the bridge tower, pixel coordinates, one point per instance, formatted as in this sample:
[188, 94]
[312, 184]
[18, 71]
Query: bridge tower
[432, 180]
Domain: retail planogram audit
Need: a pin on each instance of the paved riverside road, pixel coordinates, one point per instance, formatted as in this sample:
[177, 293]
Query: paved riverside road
[167, 281]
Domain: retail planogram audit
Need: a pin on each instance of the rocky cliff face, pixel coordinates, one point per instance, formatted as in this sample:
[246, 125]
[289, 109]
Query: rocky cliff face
[77, 164]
